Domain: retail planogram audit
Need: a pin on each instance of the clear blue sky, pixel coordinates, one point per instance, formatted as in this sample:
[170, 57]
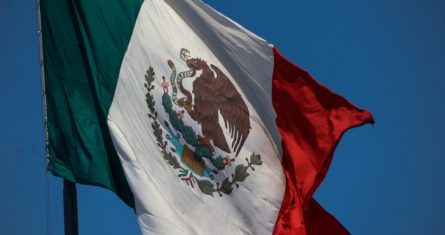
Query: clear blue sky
[384, 55]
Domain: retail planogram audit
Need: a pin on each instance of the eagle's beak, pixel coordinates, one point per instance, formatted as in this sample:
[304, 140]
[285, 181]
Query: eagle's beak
[191, 63]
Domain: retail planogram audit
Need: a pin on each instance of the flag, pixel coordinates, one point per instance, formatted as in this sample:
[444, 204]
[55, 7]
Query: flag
[199, 124]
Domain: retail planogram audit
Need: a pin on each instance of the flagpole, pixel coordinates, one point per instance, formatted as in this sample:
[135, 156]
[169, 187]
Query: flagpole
[45, 120]
[70, 208]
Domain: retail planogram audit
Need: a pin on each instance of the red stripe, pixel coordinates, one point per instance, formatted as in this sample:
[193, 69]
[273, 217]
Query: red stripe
[311, 120]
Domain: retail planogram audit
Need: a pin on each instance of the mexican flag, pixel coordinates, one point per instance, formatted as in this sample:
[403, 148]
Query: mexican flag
[199, 124]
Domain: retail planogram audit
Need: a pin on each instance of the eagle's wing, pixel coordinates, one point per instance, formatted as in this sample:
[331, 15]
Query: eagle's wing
[233, 109]
[206, 111]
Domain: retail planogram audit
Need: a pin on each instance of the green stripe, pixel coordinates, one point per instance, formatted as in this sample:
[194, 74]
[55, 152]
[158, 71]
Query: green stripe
[84, 42]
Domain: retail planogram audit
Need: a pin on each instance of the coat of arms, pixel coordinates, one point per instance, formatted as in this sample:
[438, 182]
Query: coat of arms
[204, 159]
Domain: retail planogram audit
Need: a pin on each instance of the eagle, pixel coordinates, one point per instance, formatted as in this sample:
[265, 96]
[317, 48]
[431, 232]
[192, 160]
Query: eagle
[215, 94]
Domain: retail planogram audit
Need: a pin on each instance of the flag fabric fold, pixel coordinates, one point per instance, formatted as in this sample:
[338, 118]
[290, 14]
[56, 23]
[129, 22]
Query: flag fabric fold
[199, 124]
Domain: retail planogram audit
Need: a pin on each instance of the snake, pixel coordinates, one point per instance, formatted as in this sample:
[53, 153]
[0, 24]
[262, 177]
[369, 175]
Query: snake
[176, 79]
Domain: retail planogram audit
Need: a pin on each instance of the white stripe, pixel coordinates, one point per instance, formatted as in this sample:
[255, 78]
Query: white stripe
[246, 56]
[164, 203]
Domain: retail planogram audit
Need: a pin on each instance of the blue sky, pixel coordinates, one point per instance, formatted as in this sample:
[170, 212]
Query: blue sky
[387, 56]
